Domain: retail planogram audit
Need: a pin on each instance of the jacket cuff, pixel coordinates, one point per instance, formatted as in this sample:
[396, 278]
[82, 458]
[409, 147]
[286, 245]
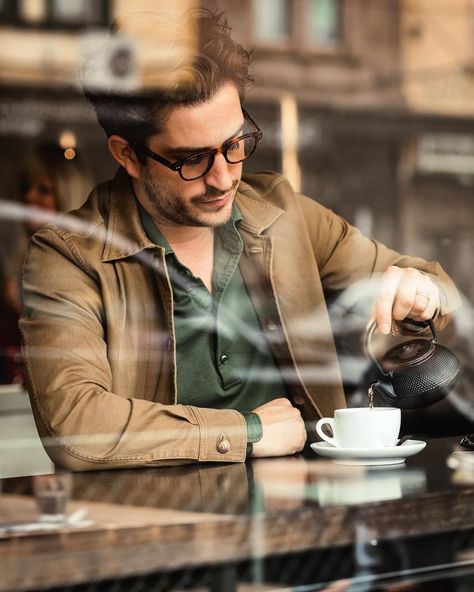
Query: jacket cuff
[222, 433]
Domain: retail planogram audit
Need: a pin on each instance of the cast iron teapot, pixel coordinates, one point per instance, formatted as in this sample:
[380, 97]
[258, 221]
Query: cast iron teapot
[415, 373]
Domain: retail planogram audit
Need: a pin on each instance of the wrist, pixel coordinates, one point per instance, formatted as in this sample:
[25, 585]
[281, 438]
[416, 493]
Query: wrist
[254, 430]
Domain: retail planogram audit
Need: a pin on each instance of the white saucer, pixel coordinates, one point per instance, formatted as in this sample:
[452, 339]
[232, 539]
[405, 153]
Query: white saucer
[390, 455]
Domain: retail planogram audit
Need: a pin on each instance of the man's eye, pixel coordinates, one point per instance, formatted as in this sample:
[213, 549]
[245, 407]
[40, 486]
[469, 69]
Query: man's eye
[197, 159]
[234, 147]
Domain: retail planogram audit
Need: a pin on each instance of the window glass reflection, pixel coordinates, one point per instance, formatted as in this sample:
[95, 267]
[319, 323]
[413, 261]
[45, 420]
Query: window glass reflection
[272, 19]
[323, 21]
[67, 11]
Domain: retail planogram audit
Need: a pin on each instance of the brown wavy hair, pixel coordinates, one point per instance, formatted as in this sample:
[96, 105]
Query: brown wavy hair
[189, 78]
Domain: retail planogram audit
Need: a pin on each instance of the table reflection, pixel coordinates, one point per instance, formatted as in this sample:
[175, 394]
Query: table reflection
[293, 521]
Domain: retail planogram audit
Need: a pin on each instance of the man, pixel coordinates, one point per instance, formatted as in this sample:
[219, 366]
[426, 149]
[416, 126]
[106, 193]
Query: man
[182, 316]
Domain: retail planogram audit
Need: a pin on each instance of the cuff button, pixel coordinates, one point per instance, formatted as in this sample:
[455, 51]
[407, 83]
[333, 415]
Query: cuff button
[223, 444]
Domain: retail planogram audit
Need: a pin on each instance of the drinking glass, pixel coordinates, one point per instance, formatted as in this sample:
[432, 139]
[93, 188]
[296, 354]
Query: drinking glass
[52, 494]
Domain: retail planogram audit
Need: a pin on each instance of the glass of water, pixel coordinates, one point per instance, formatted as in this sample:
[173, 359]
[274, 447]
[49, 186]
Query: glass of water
[52, 494]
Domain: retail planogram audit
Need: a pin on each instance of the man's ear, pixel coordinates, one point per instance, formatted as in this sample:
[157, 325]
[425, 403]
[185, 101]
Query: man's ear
[124, 155]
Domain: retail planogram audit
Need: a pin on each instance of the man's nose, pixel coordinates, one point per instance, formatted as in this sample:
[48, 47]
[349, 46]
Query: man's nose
[219, 175]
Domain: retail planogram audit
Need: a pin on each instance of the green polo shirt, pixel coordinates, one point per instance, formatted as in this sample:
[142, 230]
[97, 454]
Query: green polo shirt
[223, 359]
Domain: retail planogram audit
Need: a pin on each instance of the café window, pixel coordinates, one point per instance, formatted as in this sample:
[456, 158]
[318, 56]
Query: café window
[55, 14]
[323, 22]
[75, 11]
[446, 154]
[272, 20]
[297, 23]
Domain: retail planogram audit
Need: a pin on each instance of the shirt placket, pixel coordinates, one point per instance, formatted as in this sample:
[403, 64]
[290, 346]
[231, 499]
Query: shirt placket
[226, 261]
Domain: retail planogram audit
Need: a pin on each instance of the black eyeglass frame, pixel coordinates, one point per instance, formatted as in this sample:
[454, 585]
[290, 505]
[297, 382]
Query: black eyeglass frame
[178, 165]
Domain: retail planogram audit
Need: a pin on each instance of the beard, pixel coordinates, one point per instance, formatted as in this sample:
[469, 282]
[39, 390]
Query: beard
[171, 206]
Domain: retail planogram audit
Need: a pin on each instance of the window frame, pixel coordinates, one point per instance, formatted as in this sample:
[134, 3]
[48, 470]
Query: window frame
[298, 39]
[278, 41]
[318, 44]
[12, 16]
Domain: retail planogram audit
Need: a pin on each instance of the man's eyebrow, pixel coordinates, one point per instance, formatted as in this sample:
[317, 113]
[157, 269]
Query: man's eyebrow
[185, 150]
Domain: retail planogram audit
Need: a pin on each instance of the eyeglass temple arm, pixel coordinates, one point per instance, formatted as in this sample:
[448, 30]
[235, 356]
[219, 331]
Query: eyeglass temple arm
[251, 119]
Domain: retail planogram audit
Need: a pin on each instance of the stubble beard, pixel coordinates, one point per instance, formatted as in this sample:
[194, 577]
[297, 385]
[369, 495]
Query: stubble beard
[173, 208]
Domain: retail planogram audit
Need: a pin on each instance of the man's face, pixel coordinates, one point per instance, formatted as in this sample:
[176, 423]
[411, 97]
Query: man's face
[206, 201]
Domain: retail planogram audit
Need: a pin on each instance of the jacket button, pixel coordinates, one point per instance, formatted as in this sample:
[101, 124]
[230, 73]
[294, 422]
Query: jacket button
[224, 359]
[271, 326]
[223, 445]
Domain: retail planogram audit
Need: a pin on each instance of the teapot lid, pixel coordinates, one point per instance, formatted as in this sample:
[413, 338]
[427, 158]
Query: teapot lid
[407, 354]
[403, 355]
[406, 382]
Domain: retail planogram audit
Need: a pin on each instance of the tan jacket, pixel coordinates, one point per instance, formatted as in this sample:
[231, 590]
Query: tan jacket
[98, 324]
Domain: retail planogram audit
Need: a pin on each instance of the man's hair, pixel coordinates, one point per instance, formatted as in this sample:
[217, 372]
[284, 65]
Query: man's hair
[215, 59]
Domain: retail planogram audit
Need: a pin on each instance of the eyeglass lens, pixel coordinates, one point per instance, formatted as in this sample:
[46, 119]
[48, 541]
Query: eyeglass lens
[235, 152]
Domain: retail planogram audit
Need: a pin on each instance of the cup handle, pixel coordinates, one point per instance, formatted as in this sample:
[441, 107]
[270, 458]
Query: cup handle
[319, 430]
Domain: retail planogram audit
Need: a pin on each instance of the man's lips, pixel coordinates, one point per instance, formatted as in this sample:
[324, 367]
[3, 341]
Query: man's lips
[216, 201]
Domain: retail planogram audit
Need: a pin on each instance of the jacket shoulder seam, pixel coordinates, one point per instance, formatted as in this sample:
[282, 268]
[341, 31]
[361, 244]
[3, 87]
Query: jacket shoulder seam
[69, 241]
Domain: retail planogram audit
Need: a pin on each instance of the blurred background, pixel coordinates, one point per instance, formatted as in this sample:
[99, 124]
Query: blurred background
[366, 105]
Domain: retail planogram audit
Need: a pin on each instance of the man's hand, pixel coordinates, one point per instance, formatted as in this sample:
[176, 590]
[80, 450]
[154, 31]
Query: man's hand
[404, 292]
[283, 429]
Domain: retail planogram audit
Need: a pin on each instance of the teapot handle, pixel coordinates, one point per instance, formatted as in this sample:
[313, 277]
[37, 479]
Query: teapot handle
[371, 330]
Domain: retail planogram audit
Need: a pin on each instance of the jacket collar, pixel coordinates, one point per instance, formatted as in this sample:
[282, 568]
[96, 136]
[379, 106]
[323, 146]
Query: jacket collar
[258, 212]
[126, 235]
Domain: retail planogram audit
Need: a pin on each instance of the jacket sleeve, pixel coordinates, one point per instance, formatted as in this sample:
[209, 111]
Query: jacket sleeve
[83, 422]
[344, 256]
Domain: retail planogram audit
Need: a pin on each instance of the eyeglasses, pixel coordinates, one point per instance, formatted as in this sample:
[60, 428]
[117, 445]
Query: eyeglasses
[197, 165]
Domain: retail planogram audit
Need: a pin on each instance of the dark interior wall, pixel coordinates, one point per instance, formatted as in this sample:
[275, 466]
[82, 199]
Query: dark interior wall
[39, 115]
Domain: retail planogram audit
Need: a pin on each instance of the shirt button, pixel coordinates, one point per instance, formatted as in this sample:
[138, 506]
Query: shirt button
[223, 445]
[224, 359]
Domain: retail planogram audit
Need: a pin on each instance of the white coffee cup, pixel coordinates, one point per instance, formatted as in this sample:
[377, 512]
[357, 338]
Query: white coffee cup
[362, 427]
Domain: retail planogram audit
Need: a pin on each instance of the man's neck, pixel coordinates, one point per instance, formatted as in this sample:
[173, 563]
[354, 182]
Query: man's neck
[194, 248]
[184, 237]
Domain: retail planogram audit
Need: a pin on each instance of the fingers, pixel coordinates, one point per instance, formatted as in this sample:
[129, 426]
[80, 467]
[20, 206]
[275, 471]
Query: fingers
[426, 301]
[404, 293]
[385, 299]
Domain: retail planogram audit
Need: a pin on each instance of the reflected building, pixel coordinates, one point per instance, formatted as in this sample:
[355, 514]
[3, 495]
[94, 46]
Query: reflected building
[383, 96]
[366, 104]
